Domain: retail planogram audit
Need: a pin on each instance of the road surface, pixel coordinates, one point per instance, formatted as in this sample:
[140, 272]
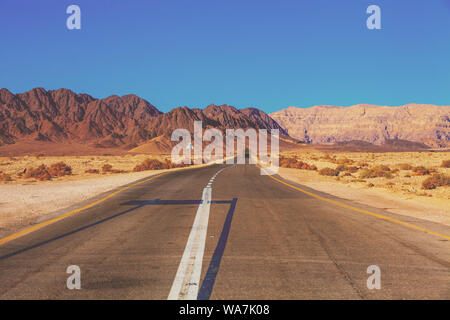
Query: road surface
[233, 234]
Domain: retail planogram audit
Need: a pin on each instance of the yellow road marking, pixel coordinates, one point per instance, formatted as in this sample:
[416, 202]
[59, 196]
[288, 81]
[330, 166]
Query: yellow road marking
[343, 205]
[65, 215]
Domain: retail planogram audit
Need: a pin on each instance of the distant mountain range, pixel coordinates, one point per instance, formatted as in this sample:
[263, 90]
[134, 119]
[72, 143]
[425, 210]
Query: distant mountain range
[422, 123]
[64, 117]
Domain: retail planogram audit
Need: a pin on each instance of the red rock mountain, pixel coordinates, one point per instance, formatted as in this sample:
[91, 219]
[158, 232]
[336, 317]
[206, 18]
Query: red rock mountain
[62, 116]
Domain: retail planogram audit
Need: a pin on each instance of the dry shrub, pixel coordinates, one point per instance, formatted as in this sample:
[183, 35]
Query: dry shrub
[154, 164]
[343, 167]
[421, 171]
[295, 164]
[5, 177]
[445, 164]
[328, 172]
[362, 164]
[106, 168]
[59, 169]
[118, 171]
[149, 164]
[367, 174]
[352, 169]
[287, 162]
[92, 171]
[327, 157]
[436, 180]
[405, 166]
[347, 174]
[43, 172]
[376, 172]
[40, 173]
[344, 160]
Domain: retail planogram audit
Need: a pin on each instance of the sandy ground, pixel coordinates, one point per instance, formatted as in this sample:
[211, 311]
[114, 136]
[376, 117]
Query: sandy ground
[402, 194]
[79, 164]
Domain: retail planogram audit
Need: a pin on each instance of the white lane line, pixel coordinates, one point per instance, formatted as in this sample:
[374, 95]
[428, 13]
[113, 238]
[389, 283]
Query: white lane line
[187, 280]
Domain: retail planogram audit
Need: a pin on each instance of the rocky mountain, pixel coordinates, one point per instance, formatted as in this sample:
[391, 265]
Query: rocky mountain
[39, 117]
[428, 124]
[62, 116]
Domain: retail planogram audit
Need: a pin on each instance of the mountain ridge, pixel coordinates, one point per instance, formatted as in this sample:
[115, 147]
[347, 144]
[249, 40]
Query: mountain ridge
[61, 116]
[422, 123]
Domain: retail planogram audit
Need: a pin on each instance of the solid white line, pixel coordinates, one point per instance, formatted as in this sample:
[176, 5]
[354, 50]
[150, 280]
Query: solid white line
[187, 280]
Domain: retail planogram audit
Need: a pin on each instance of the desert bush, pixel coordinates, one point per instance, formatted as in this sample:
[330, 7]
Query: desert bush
[344, 160]
[295, 164]
[381, 167]
[327, 157]
[367, 174]
[347, 174]
[328, 172]
[106, 168]
[59, 169]
[40, 173]
[92, 171]
[118, 171]
[436, 180]
[421, 171]
[362, 164]
[149, 164]
[154, 164]
[352, 169]
[376, 172]
[5, 177]
[445, 164]
[405, 166]
[287, 162]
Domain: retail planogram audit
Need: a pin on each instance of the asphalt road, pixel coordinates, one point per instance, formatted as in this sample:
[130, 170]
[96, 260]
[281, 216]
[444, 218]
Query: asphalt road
[264, 240]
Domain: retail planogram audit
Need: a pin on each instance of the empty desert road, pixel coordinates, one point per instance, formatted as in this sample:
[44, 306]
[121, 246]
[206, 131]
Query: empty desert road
[264, 240]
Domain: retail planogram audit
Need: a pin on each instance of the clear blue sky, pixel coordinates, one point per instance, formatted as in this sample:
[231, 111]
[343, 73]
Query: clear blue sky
[246, 53]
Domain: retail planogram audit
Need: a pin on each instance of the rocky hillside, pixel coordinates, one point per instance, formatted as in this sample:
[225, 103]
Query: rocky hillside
[62, 116]
[428, 124]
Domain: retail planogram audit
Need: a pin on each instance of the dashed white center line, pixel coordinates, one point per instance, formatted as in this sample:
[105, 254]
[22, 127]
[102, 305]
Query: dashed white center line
[187, 280]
